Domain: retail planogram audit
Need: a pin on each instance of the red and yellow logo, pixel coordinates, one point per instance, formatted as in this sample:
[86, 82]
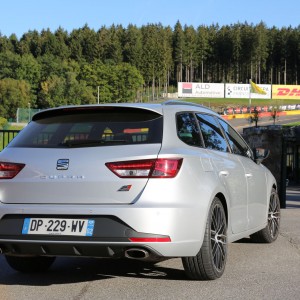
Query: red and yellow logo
[286, 92]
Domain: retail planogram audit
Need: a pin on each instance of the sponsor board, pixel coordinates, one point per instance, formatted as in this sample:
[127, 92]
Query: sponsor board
[243, 91]
[200, 90]
[239, 91]
[286, 91]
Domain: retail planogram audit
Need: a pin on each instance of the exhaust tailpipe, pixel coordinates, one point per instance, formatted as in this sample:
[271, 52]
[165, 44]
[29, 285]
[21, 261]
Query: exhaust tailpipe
[137, 253]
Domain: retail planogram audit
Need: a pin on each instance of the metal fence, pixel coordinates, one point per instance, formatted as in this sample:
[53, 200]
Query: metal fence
[24, 115]
[6, 136]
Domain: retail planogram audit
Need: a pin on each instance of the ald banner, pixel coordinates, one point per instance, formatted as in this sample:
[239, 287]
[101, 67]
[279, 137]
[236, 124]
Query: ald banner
[200, 90]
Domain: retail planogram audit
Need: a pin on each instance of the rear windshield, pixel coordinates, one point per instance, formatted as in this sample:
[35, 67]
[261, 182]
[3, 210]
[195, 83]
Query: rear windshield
[105, 126]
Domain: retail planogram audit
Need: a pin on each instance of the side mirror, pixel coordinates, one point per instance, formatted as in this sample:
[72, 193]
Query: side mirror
[260, 154]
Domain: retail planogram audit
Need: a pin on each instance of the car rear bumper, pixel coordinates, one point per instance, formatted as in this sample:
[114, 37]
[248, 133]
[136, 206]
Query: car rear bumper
[77, 248]
[114, 227]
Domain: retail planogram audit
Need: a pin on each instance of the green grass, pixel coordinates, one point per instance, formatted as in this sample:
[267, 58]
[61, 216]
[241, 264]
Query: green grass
[293, 124]
[225, 102]
[10, 127]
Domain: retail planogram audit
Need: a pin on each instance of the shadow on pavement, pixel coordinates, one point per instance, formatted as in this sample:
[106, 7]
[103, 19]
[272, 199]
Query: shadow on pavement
[72, 270]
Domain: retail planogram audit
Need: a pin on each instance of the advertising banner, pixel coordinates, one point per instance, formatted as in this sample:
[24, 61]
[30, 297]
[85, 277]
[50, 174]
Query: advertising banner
[243, 91]
[286, 91]
[200, 90]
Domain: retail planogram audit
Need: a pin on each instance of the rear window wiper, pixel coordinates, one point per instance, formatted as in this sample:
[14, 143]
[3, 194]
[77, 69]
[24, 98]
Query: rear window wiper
[92, 143]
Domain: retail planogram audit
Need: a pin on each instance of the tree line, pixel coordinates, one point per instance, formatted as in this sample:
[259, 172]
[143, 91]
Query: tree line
[45, 69]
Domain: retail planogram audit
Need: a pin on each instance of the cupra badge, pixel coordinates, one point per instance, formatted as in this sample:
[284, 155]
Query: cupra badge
[62, 164]
[124, 188]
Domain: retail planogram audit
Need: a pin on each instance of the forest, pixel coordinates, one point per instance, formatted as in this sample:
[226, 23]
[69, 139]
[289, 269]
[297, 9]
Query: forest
[116, 64]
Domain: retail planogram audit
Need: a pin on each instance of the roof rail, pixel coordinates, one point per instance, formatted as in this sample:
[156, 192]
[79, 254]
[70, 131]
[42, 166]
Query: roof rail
[180, 102]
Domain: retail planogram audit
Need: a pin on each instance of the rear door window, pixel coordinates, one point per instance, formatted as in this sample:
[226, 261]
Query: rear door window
[211, 133]
[237, 144]
[187, 129]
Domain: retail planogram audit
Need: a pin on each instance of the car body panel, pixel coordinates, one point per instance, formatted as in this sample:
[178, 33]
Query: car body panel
[86, 181]
[256, 192]
[232, 175]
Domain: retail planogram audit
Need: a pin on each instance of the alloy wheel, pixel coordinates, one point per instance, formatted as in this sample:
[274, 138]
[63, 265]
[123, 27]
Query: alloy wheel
[218, 237]
[274, 215]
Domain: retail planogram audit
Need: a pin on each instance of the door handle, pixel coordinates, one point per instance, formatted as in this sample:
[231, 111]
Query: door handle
[248, 175]
[223, 173]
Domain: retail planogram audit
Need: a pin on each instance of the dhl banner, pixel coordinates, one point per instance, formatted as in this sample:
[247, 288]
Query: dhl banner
[286, 91]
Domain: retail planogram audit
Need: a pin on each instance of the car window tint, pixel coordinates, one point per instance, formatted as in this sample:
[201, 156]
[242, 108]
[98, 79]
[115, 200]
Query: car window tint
[88, 128]
[187, 129]
[79, 131]
[237, 144]
[211, 133]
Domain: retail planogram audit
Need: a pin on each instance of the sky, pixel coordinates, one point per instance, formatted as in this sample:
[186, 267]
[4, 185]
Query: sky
[20, 16]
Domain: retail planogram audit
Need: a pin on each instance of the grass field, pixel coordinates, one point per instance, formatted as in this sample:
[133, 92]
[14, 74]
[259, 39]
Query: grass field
[293, 124]
[221, 103]
[14, 127]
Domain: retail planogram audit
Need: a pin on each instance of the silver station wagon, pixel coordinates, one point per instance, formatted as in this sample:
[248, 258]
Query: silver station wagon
[138, 181]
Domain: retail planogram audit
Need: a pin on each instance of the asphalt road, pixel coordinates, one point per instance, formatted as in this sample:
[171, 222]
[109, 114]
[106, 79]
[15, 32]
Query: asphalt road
[253, 271]
[239, 124]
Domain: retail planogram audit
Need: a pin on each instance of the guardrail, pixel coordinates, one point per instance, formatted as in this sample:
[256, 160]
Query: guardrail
[6, 136]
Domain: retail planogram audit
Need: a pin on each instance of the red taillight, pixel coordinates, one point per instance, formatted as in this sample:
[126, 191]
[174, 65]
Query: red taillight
[147, 168]
[150, 240]
[9, 170]
[166, 168]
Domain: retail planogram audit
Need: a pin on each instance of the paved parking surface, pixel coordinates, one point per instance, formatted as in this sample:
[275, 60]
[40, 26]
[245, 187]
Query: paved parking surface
[253, 271]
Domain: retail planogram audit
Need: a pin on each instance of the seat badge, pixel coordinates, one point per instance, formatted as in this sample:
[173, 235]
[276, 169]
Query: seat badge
[62, 164]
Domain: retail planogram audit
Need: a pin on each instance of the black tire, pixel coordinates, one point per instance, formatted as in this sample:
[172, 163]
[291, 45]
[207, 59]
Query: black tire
[30, 264]
[210, 261]
[270, 233]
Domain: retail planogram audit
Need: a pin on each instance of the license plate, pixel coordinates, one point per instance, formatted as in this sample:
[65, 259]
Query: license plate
[78, 227]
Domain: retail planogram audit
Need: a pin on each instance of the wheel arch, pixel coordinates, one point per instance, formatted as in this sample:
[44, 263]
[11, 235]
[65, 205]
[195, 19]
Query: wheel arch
[224, 203]
[272, 187]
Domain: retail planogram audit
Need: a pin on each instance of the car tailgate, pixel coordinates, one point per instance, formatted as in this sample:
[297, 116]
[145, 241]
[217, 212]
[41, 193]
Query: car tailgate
[73, 176]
